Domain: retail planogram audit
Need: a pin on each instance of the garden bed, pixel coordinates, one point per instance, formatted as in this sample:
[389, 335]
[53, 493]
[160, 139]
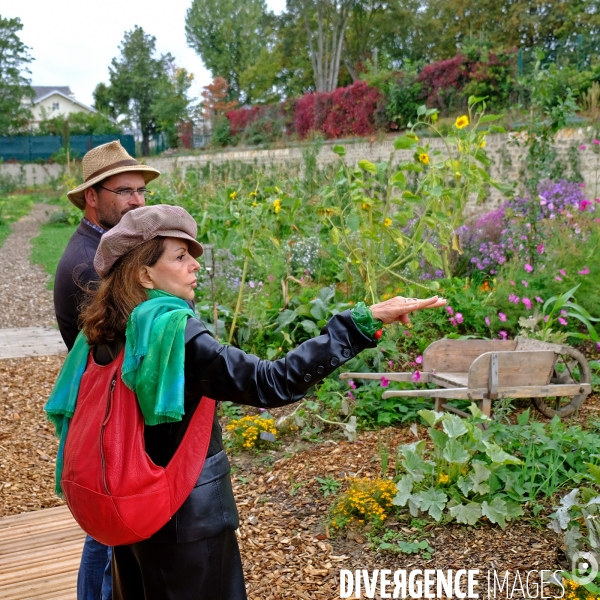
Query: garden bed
[288, 550]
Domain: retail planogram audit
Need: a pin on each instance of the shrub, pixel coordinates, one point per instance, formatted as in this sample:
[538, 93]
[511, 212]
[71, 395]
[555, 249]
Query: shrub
[221, 131]
[367, 501]
[246, 431]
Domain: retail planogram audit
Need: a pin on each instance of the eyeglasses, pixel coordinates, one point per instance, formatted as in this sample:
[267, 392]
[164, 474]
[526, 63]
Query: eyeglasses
[127, 192]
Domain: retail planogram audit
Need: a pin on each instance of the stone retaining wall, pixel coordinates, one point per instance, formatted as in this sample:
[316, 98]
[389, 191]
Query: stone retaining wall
[30, 174]
[504, 150]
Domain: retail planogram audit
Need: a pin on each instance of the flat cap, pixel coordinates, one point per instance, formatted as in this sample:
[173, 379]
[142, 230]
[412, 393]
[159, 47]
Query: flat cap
[142, 224]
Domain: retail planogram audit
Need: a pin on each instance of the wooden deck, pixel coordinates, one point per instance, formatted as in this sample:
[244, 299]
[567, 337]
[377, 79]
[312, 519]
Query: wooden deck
[39, 555]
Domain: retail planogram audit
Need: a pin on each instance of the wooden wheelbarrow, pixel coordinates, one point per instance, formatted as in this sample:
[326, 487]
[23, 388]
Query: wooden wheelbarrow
[556, 377]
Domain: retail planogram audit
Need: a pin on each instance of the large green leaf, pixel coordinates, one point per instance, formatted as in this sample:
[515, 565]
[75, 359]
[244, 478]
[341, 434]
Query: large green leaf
[404, 142]
[431, 417]
[439, 438]
[478, 476]
[455, 452]
[453, 425]
[404, 487]
[496, 511]
[339, 150]
[353, 222]
[367, 165]
[498, 456]
[464, 485]
[416, 466]
[468, 514]
[433, 501]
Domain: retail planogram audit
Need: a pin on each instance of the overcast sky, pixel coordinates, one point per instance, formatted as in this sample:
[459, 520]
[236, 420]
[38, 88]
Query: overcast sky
[73, 41]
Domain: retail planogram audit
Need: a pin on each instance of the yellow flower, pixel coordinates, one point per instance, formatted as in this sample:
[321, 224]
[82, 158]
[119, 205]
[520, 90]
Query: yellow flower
[387, 222]
[483, 144]
[424, 158]
[277, 206]
[461, 122]
[253, 193]
[443, 478]
[255, 204]
[365, 206]
[233, 195]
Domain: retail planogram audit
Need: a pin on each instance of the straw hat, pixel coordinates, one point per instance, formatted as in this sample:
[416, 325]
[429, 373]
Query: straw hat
[103, 162]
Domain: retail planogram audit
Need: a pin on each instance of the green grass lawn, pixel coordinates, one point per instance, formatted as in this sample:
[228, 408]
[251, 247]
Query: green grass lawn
[49, 246]
[12, 208]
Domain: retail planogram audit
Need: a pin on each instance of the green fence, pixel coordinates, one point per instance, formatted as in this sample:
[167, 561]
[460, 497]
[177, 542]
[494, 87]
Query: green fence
[42, 147]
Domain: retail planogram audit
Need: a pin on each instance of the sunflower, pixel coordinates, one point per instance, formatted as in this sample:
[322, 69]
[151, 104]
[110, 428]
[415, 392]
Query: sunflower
[461, 122]
[387, 222]
[424, 158]
[277, 206]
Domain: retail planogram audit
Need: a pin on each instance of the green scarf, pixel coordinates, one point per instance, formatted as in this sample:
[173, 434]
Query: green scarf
[153, 367]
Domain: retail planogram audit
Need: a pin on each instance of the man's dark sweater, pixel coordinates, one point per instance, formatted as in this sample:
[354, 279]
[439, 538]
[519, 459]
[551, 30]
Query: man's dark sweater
[75, 270]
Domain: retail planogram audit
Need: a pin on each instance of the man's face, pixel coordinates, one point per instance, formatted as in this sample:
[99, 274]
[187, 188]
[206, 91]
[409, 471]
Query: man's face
[111, 207]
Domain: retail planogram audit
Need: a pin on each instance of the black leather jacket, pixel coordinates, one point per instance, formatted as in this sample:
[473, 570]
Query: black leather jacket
[227, 373]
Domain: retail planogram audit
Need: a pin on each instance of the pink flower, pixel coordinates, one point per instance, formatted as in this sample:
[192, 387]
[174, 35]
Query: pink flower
[512, 282]
[419, 360]
[562, 272]
[391, 364]
[540, 249]
[564, 313]
[487, 321]
[584, 271]
[583, 204]
[459, 318]
[524, 283]
[582, 184]
[502, 316]
[528, 267]
[449, 310]
[595, 142]
[262, 409]
[502, 335]
[562, 320]
[453, 322]
[407, 333]
[527, 303]
[416, 376]
[598, 346]
[541, 300]
[352, 384]
[557, 278]
[251, 284]
[271, 278]
[582, 147]
[546, 319]
[351, 395]
[514, 298]
[385, 382]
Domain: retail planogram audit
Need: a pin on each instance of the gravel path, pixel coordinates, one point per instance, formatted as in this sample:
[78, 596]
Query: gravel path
[24, 299]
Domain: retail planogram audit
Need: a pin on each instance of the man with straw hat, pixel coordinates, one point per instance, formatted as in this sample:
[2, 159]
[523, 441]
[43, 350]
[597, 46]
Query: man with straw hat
[114, 183]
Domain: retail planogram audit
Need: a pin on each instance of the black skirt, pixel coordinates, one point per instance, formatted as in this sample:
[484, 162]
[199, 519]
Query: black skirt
[208, 569]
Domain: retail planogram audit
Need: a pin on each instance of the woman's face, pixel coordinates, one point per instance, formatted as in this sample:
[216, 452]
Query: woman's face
[174, 272]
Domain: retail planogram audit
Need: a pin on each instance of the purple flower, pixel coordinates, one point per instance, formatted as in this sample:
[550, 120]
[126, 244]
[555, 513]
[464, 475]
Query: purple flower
[416, 376]
[562, 272]
[514, 298]
[502, 316]
[562, 320]
[527, 303]
[598, 346]
[524, 283]
[541, 300]
[352, 384]
[453, 322]
[487, 321]
[251, 284]
[262, 409]
[595, 142]
[260, 284]
[385, 382]
[582, 147]
[459, 318]
[419, 359]
[528, 267]
[351, 395]
[502, 335]
[584, 271]
[540, 249]
[449, 310]
[557, 278]
[582, 184]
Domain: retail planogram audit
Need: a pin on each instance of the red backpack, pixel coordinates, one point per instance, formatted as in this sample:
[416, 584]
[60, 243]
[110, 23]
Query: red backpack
[113, 489]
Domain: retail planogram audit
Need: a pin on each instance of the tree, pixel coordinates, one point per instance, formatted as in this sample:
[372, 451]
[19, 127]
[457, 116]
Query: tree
[15, 88]
[228, 35]
[138, 80]
[215, 99]
[325, 22]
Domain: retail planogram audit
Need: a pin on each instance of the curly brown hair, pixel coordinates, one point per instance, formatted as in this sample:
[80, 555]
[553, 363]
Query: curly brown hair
[108, 304]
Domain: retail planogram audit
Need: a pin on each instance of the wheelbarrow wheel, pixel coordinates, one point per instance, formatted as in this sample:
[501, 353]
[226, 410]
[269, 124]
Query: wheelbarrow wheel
[571, 367]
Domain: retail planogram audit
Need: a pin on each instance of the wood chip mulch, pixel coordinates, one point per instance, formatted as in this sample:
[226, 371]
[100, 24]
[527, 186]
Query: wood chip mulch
[287, 549]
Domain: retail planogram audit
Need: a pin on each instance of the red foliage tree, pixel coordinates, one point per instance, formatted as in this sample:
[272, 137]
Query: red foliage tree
[215, 98]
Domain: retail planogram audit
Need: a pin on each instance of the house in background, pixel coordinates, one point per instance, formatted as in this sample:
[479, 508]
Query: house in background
[52, 101]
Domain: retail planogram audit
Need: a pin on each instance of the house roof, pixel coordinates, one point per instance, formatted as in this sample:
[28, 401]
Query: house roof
[41, 91]
[56, 92]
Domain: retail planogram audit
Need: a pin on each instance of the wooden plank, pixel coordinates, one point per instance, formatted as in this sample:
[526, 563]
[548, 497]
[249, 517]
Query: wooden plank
[457, 411]
[450, 379]
[39, 555]
[524, 344]
[514, 368]
[456, 356]
[64, 582]
[403, 377]
[454, 393]
[60, 565]
[30, 529]
[35, 516]
[46, 539]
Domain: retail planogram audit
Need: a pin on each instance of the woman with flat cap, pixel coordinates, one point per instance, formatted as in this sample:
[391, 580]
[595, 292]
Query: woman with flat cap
[148, 268]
